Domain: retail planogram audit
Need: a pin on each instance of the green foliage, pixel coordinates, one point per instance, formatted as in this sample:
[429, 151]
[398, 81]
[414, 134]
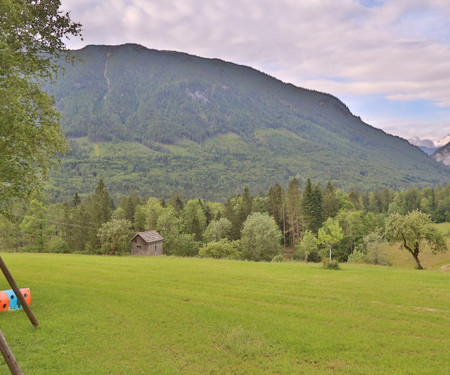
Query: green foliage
[58, 245]
[279, 258]
[153, 209]
[372, 250]
[220, 249]
[357, 257]
[183, 245]
[330, 234]
[194, 218]
[307, 248]
[414, 231]
[312, 206]
[35, 227]
[330, 264]
[115, 237]
[217, 230]
[30, 135]
[293, 210]
[260, 237]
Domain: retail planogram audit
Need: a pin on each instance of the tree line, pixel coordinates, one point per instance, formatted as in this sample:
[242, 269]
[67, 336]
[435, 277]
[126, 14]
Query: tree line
[308, 223]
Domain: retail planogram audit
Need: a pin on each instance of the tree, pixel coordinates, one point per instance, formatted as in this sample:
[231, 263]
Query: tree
[79, 228]
[293, 210]
[330, 234]
[355, 227]
[329, 202]
[100, 208]
[194, 218]
[154, 209]
[306, 249]
[413, 231]
[30, 134]
[102, 205]
[35, 226]
[168, 224]
[276, 205]
[218, 230]
[115, 236]
[260, 237]
[312, 206]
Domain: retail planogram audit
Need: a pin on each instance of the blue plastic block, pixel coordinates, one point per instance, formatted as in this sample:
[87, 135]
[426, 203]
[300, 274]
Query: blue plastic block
[13, 302]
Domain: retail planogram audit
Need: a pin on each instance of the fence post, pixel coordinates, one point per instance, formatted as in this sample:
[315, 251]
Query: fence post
[9, 356]
[18, 293]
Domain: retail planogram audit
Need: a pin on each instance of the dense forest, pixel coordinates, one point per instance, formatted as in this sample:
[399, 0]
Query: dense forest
[95, 225]
[159, 121]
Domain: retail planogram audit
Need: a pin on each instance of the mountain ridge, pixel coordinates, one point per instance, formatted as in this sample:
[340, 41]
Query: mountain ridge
[442, 155]
[427, 145]
[205, 127]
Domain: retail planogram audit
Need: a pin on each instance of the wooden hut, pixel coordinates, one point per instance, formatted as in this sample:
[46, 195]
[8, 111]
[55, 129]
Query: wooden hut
[148, 243]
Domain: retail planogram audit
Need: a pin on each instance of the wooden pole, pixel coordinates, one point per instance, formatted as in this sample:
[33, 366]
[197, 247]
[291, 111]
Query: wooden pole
[18, 293]
[9, 356]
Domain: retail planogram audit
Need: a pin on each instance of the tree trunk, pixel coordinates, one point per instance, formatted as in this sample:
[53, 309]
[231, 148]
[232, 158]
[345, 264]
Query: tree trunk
[416, 258]
[330, 252]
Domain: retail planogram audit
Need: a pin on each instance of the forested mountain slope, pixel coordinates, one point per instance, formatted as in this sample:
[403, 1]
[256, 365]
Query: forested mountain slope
[163, 121]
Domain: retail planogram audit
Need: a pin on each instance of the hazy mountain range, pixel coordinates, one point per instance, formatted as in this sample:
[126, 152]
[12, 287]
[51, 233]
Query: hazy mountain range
[442, 155]
[429, 146]
[163, 122]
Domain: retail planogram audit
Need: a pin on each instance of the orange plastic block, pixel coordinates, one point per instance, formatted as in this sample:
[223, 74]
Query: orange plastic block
[26, 294]
[4, 301]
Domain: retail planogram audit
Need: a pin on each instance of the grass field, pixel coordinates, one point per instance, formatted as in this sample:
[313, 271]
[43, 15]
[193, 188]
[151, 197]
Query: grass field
[166, 315]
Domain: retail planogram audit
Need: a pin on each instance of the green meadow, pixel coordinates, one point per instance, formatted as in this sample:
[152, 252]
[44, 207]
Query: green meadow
[167, 315]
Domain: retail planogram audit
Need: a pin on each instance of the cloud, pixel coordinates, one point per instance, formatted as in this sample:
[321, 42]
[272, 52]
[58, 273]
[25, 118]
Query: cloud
[397, 49]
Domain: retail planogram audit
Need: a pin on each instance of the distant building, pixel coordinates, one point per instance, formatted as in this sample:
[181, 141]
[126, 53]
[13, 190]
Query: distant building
[148, 243]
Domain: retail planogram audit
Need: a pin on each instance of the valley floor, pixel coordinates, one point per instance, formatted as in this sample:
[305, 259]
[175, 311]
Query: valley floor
[167, 315]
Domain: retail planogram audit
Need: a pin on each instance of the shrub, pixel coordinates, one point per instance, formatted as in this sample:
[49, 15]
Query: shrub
[330, 264]
[220, 249]
[369, 251]
[279, 258]
[377, 257]
[183, 245]
[58, 245]
[357, 257]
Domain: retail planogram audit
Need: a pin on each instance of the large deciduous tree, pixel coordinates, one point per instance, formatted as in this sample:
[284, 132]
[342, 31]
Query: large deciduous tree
[31, 139]
[260, 237]
[115, 236]
[413, 231]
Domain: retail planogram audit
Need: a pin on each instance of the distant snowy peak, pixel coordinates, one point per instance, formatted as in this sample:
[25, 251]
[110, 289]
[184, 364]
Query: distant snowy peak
[416, 141]
[427, 145]
[443, 141]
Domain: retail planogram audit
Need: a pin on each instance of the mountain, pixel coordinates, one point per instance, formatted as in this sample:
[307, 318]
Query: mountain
[428, 146]
[443, 142]
[163, 122]
[442, 155]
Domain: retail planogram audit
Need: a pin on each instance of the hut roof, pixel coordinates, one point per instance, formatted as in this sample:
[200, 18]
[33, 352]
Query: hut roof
[149, 236]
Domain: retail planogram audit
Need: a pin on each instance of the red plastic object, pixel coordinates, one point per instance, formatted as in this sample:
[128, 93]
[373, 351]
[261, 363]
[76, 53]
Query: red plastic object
[26, 294]
[4, 301]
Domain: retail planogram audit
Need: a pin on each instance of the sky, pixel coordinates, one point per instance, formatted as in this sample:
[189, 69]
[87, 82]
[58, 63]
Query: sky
[388, 60]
